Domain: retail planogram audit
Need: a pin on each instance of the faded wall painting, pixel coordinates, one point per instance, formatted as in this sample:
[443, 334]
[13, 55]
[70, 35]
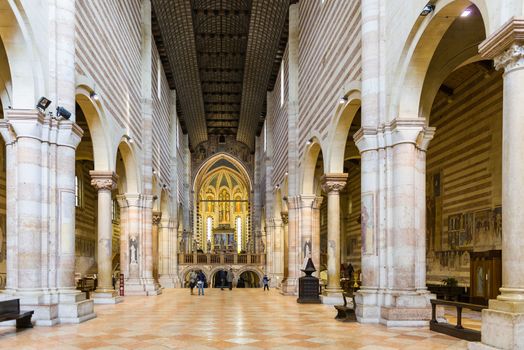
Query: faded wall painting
[368, 223]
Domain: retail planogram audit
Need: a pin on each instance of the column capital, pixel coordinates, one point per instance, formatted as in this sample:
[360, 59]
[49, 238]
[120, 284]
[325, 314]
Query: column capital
[69, 134]
[157, 216]
[412, 131]
[333, 182]
[135, 200]
[103, 180]
[306, 200]
[293, 202]
[317, 202]
[505, 46]
[285, 217]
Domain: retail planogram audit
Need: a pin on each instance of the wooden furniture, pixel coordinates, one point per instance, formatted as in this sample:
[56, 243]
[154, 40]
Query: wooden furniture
[485, 275]
[10, 310]
[345, 313]
[449, 293]
[457, 330]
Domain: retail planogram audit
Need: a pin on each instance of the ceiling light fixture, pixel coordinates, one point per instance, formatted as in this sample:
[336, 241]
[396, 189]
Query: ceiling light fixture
[94, 96]
[343, 100]
[62, 112]
[43, 103]
[466, 13]
[309, 142]
[427, 10]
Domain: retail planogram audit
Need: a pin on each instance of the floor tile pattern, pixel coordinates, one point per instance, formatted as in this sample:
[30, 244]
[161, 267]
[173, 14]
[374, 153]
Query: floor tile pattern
[247, 319]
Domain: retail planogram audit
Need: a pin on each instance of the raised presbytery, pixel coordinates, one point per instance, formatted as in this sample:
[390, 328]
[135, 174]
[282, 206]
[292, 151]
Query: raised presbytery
[254, 174]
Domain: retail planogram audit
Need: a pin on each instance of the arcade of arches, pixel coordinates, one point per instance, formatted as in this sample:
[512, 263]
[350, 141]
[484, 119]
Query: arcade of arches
[239, 139]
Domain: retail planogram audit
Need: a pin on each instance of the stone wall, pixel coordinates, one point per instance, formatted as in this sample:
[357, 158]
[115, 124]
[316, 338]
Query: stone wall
[464, 169]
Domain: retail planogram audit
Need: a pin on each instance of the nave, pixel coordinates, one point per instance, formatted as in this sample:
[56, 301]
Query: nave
[246, 319]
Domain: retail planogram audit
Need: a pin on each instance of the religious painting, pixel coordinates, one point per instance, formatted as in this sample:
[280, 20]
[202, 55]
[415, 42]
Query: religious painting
[436, 185]
[497, 225]
[368, 223]
[483, 227]
[455, 226]
[469, 229]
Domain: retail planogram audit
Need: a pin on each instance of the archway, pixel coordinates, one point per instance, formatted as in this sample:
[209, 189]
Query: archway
[248, 279]
[219, 278]
[222, 207]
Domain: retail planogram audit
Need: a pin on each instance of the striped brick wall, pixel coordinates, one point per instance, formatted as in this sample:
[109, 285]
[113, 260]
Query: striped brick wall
[108, 50]
[467, 155]
[329, 57]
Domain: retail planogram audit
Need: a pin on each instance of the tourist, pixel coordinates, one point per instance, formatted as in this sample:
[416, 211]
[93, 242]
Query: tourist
[201, 281]
[222, 280]
[229, 278]
[192, 280]
[265, 281]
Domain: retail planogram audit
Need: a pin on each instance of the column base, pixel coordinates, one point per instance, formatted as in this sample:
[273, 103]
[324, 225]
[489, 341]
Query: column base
[167, 281]
[502, 327]
[395, 308]
[59, 307]
[74, 307]
[144, 287]
[106, 297]
[289, 286]
[332, 296]
[276, 280]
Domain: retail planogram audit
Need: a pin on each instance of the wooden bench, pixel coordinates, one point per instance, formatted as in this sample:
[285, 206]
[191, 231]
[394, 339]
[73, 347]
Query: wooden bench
[345, 313]
[457, 331]
[10, 310]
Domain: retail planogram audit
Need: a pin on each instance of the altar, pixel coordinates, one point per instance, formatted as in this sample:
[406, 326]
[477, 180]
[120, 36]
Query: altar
[224, 237]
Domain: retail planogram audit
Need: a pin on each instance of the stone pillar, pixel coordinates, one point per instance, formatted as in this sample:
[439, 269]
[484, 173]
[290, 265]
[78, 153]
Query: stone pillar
[136, 244]
[503, 322]
[104, 182]
[285, 243]
[157, 216]
[315, 233]
[277, 256]
[332, 184]
[167, 253]
[40, 258]
[290, 283]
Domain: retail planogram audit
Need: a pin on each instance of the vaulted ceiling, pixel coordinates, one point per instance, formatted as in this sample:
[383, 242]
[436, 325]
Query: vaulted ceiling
[221, 56]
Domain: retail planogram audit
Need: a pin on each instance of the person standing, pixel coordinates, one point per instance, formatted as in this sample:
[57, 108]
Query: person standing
[265, 282]
[192, 280]
[230, 278]
[201, 281]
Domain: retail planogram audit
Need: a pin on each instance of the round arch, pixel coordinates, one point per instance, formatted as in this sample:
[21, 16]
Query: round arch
[254, 269]
[339, 133]
[132, 177]
[310, 162]
[93, 114]
[409, 100]
[25, 71]
[188, 269]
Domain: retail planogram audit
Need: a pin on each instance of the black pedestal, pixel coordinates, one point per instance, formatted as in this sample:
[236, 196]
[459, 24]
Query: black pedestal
[308, 286]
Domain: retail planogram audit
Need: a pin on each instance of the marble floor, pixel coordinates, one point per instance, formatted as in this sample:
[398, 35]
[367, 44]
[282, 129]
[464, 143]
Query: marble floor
[239, 319]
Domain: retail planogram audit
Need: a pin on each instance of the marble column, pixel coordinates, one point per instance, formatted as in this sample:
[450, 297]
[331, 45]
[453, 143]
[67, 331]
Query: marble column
[285, 243]
[104, 182]
[332, 184]
[136, 244]
[157, 217]
[277, 257]
[503, 322]
[40, 155]
[315, 233]
[167, 253]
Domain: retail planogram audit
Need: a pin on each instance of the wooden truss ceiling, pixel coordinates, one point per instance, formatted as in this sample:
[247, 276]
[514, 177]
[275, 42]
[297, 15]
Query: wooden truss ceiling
[221, 56]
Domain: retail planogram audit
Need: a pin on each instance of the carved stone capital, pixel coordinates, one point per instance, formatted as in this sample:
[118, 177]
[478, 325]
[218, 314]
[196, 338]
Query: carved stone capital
[503, 45]
[157, 217]
[103, 180]
[285, 218]
[333, 182]
[510, 59]
[317, 202]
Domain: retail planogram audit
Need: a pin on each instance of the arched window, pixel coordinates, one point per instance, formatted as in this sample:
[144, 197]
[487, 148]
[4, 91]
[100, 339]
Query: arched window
[239, 233]
[209, 227]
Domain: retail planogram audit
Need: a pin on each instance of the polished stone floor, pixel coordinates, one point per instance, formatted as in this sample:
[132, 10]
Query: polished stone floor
[238, 319]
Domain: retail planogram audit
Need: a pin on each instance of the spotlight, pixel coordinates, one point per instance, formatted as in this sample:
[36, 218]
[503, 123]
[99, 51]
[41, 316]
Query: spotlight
[43, 103]
[154, 172]
[164, 186]
[277, 187]
[94, 96]
[129, 138]
[286, 174]
[466, 13]
[343, 100]
[427, 9]
[62, 112]
[309, 142]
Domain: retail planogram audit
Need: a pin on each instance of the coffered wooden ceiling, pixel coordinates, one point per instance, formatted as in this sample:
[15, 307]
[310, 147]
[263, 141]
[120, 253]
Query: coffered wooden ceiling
[221, 56]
